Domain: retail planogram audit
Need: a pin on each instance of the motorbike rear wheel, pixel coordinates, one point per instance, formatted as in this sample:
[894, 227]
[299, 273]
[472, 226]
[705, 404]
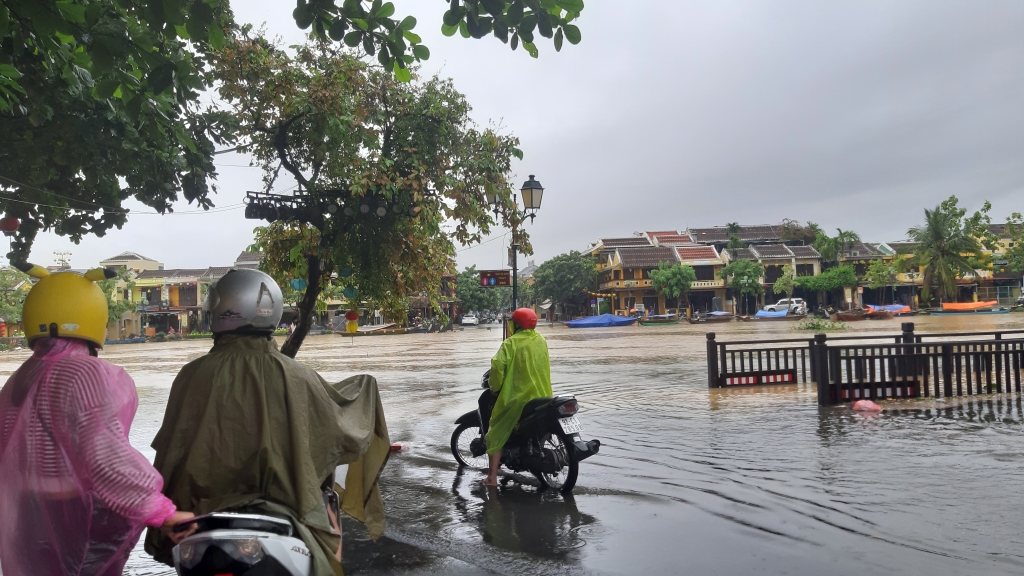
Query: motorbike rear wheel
[461, 438]
[565, 479]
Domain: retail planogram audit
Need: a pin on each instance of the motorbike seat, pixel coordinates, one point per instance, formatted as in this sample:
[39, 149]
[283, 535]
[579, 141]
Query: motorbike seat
[534, 405]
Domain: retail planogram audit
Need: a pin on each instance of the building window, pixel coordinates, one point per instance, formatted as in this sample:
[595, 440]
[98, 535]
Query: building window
[704, 272]
[772, 273]
[617, 275]
[645, 274]
[805, 269]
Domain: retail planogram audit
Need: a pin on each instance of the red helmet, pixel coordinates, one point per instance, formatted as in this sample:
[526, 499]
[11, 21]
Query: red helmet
[525, 318]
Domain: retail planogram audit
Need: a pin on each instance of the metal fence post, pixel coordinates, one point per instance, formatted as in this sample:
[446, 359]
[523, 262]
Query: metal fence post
[819, 355]
[947, 370]
[712, 361]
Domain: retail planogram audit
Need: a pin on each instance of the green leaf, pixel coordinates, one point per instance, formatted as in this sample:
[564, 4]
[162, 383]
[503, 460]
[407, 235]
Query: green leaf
[337, 29]
[496, 8]
[571, 5]
[501, 31]
[72, 12]
[216, 37]
[463, 29]
[384, 57]
[5, 20]
[361, 24]
[572, 34]
[452, 17]
[412, 37]
[369, 45]
[515, 41]
[160, 78]
[353, 38]
[386, 11]
[421, 52]
[515, 13]
[408, 23]
[402, 74]
[102, 59]
[106, 88]
[531, 48]
[8, 71]
[517, 153]
[182, 32]
[449, 30]
[558, 40]
[544, 24]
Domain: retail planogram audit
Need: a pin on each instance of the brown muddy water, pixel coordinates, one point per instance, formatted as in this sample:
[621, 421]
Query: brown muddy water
[688, 480]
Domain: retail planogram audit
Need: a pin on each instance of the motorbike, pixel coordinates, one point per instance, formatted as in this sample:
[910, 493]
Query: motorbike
[824, 312]
[227, 543]
[546, 443]
[231, 543]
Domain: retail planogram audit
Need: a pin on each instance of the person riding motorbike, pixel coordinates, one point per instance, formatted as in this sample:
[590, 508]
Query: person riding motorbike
[74, 493]
[520, 372]
[250, 430]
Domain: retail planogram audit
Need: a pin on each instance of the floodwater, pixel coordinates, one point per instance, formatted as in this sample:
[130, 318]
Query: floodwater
[738, 481]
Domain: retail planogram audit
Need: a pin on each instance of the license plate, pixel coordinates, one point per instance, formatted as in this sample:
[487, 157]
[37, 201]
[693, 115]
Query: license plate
[570, 425]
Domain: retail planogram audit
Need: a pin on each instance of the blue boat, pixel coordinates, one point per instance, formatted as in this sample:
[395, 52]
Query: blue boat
[602, 321]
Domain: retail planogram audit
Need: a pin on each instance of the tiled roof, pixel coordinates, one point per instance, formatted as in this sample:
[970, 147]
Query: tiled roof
[628, 241]
[127, 257]
[804, 252]
[249, 257]
[758, 233]
[673, 239]
[862, 250]
[902, 247]
[215, 272]
[646, 256]
[997, 229]
[697, 253]
[154, 274]
[770, 251]
[661, 233]
[741, 254]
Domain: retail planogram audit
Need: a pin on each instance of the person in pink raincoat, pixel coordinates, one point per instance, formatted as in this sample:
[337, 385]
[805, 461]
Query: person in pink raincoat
[74, 494]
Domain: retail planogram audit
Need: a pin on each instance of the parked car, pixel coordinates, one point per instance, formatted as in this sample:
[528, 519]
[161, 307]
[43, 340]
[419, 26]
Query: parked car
[470, 320]
[790, 304]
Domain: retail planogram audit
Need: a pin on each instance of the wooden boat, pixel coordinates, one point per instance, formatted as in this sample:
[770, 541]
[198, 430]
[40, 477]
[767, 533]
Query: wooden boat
[968, 312]
[879, 314]
[659, 320]
[701, 318]
[966, 308]
[851, 315]
[601, 321]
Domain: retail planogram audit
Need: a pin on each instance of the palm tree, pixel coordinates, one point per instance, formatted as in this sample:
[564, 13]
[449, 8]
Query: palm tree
[943, 248]
[832, 247]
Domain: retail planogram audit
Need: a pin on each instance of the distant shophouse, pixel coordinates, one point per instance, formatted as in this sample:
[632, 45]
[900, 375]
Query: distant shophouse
[805, 261]
[173, 299]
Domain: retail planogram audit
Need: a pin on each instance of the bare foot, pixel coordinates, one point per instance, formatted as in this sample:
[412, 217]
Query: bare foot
[489, 482]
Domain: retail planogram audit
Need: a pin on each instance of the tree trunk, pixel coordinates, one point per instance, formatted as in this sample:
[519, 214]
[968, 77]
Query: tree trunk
[307, 306]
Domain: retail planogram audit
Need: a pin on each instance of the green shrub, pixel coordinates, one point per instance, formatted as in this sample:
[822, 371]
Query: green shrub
[821, 325]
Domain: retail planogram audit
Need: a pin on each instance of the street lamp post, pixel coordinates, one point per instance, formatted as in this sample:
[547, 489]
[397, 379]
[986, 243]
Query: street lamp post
[532, 193]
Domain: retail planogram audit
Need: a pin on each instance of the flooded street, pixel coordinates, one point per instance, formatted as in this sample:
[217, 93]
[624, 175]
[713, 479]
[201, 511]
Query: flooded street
[736, 481]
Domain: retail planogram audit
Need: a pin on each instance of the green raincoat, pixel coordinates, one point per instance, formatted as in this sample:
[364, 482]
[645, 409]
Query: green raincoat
[520, 372]
[249, 429]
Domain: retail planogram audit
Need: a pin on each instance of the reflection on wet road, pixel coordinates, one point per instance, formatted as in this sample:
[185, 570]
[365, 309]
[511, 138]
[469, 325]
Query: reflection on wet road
[721, 482]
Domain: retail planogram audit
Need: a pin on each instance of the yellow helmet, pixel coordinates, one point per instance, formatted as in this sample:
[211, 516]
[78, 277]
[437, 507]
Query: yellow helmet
[65, 304]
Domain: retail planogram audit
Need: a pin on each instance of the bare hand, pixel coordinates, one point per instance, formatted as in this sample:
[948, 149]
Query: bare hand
[175, 519]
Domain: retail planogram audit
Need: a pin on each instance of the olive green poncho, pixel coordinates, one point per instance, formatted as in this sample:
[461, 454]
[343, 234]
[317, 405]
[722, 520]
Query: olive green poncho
[520, 372]
[249, 429]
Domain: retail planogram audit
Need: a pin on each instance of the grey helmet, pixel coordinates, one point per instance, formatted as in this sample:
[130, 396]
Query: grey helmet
[244, 301]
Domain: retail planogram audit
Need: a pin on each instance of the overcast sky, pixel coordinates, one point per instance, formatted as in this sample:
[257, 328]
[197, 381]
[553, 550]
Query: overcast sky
[680, 113]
